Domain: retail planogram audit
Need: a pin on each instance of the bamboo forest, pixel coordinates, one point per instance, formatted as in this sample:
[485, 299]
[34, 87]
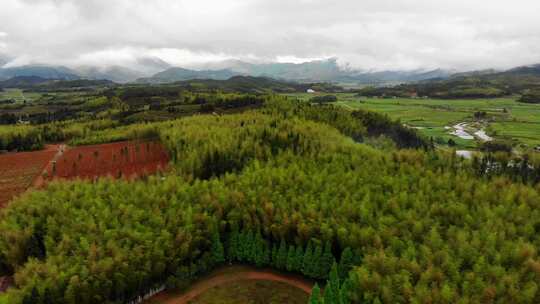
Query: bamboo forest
[354, 201]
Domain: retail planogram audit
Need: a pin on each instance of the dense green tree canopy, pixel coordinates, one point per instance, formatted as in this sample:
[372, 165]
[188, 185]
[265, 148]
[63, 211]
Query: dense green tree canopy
[288, 187]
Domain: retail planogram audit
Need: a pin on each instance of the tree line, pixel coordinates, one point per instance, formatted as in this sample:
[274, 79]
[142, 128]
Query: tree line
[359, 125]
[523, 168]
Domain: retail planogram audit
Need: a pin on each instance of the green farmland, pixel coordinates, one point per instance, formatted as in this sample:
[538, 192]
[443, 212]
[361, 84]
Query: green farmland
[18, 95]
[505, 117]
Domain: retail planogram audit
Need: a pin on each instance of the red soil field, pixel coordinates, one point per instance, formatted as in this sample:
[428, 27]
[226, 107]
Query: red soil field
[117, 160]
[19, 170]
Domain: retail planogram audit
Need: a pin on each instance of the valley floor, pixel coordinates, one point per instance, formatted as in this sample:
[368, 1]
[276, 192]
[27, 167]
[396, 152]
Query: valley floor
[505, 118]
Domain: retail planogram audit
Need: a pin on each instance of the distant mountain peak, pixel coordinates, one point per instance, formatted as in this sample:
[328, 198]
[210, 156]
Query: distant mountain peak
[175, 74]
[533, 69]
[22, 81]
[39, 70]
[153, 63]
[155, 70]
[114, 73]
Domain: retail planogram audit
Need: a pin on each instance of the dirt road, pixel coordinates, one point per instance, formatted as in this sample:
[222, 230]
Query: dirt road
[60, 149]
[226, 275]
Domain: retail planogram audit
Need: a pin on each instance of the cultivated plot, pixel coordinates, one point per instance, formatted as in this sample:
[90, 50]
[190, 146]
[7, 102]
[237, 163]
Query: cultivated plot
[120, 159]
[20, 170]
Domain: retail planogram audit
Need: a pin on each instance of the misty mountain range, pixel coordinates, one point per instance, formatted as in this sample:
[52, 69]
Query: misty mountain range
[155, 71]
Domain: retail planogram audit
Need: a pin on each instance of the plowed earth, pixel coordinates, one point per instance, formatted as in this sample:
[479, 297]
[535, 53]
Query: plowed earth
[116, 160]
[130, 160]
[19, 170]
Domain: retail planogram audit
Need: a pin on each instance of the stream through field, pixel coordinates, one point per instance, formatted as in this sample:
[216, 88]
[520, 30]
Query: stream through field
[464, 130]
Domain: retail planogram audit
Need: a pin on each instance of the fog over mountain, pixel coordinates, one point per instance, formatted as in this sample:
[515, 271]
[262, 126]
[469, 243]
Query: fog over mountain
[371, 35]
[313, 71]
[3, 60]
[156, 71]
[42, 71]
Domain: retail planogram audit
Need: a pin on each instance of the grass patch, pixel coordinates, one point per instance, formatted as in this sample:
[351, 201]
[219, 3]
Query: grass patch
[253, 292]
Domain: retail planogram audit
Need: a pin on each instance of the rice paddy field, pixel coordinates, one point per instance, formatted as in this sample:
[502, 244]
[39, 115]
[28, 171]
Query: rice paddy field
[505, 117]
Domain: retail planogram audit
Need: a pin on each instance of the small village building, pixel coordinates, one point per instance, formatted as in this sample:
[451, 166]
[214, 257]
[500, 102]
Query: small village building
[310, 91]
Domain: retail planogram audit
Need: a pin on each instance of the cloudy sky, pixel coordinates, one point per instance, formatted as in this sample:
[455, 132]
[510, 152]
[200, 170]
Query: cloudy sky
[366, 34]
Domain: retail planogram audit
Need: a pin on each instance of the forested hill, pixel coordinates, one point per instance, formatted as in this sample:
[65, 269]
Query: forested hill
[39, 84]
[179, 74]
[22, 82]
[488, 84]
[43, 71]
[288, 187]
[359, 125]
[249, 84]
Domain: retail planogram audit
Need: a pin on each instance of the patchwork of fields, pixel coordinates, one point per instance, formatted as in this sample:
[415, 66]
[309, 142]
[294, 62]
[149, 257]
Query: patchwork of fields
[505, 117]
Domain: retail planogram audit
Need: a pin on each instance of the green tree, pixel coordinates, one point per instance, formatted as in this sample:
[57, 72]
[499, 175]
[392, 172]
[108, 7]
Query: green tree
[32, 298]
[346, 262]
[329, 296]
[267, 261]
[307, 262]
[71, 295]
[260, 253]
[245, 246]
[332, 289]
[250, 247]
[315, 297]
[298, 258]
[232, 251]
[253, 247]
[344, 292]
[290, 264]
[48, 297]
[327, 259]
[319, 267]
[274, 255]
[282, 255]
[218, 253]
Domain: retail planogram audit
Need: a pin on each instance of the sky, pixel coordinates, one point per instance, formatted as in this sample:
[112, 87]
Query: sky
[361, 34]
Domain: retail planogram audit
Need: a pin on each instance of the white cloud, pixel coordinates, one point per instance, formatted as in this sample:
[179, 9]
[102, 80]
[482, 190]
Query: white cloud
[295, 59]
[368, 34]
[187, 57]
[3, 46]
